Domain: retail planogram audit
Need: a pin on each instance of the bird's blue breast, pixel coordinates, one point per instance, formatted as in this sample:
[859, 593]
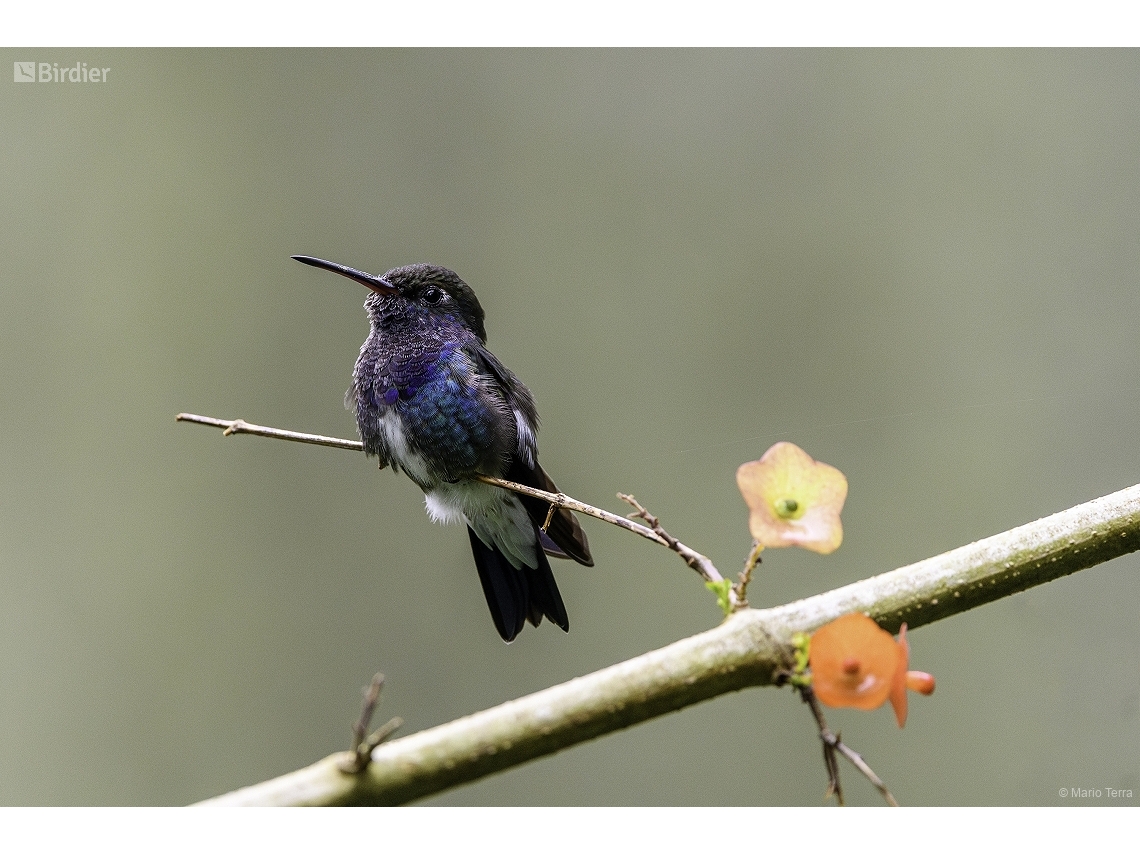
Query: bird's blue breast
[427, 402]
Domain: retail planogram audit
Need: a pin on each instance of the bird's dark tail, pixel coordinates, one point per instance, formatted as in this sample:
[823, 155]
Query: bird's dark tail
[516, 596]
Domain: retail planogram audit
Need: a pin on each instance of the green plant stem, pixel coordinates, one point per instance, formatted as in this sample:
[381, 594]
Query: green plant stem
[746, 650]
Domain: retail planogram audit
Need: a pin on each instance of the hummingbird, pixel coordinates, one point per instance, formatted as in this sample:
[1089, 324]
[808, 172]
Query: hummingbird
[433, 402]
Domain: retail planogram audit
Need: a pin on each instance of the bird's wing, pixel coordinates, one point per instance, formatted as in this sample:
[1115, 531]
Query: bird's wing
[518, 398]
[563, 530]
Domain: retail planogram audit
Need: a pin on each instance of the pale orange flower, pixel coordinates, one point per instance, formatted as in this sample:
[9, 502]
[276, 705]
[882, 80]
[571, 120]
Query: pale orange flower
[793, 500]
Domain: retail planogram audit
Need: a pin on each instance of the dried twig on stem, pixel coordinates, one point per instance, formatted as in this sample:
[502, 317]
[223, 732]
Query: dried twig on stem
[556, 500]
[831, 744]
[234, 426]
[694, 559]
[362, 745]
[750, 564]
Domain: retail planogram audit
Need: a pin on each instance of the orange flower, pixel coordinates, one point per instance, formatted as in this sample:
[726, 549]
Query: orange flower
[898, 683]
[793, 500]
[854, 663]
[916, 681]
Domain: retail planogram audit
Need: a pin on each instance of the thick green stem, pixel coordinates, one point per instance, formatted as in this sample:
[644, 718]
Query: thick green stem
[746, 650]
[732, 656]
[980, 572]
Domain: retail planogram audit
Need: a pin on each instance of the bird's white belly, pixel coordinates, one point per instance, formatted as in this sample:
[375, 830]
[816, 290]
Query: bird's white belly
[495, 515]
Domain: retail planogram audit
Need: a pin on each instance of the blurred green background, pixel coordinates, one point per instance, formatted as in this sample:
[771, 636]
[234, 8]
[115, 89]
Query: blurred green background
[920, 266]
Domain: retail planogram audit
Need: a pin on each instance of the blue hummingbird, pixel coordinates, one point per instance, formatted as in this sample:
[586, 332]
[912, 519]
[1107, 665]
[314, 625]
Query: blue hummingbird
[433, 402]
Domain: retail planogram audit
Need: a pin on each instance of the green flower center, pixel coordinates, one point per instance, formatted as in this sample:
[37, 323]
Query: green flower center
[787, 509]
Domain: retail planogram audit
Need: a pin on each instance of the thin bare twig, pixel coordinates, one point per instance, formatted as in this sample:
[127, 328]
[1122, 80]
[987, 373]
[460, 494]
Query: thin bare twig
[834, 788]
[750, 564]
[234, 426]
[833, 743]
[556, 500]
[859, 763]
[371, 696]
[363, 746]
[561, 500]
[694, 559]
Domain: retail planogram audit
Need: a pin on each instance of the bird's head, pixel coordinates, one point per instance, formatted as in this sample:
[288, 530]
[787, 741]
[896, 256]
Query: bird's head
[415, 291]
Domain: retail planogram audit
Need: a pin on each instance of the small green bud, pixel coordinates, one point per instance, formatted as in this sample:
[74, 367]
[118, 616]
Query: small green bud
[723, 591]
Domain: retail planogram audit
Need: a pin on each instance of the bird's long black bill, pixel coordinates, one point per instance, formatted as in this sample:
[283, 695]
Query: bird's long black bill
[375, 283]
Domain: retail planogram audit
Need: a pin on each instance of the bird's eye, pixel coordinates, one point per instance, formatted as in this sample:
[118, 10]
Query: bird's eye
[433, 295]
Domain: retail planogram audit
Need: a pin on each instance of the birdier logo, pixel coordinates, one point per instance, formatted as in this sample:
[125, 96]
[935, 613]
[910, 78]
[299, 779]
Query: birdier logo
[53, 72]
